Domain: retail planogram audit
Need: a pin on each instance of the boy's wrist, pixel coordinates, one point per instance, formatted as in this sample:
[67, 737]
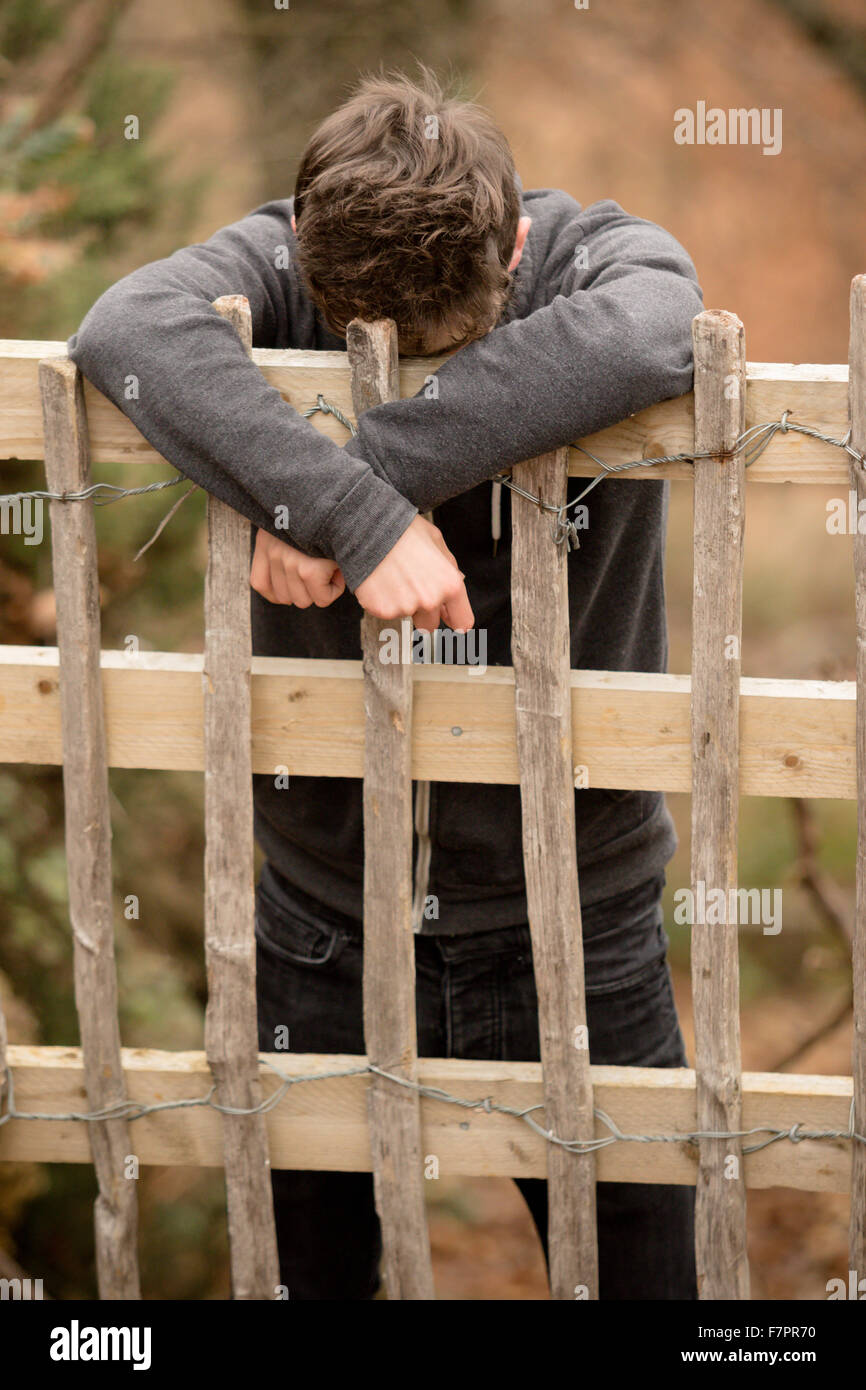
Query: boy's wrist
[364, 526]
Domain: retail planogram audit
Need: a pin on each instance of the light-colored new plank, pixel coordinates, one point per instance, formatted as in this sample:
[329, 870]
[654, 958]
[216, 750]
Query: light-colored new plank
[389, 942]
[540, 650]
[323, 1124]
[88, 822]
[815, 394]
[858, 483]
[719, 504]
[632, 730]
[231, 1034]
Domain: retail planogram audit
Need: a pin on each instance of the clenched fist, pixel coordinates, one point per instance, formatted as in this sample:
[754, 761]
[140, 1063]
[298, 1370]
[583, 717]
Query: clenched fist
[282, 574]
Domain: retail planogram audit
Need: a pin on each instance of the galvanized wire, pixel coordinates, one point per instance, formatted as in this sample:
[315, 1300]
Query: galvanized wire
[753, 441]
[103, 493]
[134, 1110]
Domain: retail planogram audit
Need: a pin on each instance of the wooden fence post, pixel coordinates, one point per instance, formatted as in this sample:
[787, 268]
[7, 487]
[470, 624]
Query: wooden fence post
[88, 821]
[231, 1033]
[389, 941]
[4, 1061]
[542, 666]
[719, 523]
[857, 409]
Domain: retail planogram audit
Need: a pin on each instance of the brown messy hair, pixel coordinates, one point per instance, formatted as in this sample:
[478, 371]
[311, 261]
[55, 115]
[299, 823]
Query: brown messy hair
[406, 207]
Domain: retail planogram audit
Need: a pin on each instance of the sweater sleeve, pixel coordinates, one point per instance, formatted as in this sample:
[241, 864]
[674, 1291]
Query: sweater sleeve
[615, 339]
[154, 346]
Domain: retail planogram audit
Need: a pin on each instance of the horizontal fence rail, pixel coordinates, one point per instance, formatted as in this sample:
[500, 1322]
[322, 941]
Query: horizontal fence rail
[631, 730]
[815, 395]
[324, 1125]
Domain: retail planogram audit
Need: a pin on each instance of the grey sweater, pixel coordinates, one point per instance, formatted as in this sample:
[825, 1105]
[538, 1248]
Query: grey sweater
[597, 327]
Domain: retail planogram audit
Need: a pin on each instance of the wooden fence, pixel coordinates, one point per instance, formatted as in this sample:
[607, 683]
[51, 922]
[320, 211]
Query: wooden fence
[712, 733]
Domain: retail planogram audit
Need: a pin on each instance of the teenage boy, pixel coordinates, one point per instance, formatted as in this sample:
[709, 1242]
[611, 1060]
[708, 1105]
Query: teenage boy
[568, 319]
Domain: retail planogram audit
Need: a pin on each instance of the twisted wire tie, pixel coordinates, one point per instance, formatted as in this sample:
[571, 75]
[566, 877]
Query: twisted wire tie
[135, 1110]
[564, 531]
[753, 441]
[103, 493]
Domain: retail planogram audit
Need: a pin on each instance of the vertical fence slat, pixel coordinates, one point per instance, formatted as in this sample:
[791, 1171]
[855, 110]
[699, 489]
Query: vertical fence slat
[231, 1034]
[857, 407]
[719, 523]
[88, 822]
[541, 655]
[4, 1042]
[389, 942]
[4, 1061]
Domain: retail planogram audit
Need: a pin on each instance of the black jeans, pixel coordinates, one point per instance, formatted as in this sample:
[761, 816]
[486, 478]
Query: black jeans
[476, 999]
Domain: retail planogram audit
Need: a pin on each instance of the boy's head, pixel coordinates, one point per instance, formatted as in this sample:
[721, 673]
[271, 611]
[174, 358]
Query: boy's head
[406, 207]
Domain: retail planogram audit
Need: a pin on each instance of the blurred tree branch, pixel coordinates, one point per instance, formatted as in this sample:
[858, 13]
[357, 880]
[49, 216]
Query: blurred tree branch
[830, 902]
[60, 71]
[824, 892]
[843, 43]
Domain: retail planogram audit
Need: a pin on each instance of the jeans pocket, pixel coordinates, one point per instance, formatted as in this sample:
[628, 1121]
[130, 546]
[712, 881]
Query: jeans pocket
[281, 933]
[635, 1022]
[645, 977]
[623, 936]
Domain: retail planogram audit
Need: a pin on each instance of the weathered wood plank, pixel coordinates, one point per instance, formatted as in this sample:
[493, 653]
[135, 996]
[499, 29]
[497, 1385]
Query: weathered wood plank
[719, 510]
[88, 822]
[231, 1034]
[324, 1125]
[816, 394]
[389, 942]
[631, 730]
[857, 388]
[541, 655]
[4, 1060]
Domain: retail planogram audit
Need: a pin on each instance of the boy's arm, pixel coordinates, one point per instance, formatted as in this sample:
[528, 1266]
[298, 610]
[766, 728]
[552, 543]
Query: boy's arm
[154, 345]
[617, 339]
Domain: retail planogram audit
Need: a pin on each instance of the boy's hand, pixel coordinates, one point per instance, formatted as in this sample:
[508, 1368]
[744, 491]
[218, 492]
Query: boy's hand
[282, 574]
[418, 578]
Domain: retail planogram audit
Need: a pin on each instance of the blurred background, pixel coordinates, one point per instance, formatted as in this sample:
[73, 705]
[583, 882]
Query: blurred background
[227, 92]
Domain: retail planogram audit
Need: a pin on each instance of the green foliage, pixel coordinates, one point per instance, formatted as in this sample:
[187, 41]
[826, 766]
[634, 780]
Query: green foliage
[73, 189]
[115, 179]
[26, 26]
